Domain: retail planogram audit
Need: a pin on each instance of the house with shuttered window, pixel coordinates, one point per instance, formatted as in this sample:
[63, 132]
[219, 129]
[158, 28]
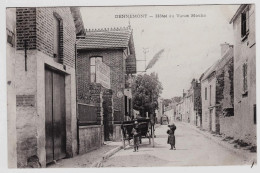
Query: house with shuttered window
[245, 73]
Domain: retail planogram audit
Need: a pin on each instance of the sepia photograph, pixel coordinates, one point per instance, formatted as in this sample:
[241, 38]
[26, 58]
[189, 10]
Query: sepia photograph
[131, 86]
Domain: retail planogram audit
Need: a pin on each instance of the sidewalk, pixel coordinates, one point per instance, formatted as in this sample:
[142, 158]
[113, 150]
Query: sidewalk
[229, 144]
[93, 158]
[89, 159]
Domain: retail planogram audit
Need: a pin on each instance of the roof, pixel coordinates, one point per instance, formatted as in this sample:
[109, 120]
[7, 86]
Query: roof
[239, 11]
[79, 25]
[219, 63]
[210, 70]
[105, 38]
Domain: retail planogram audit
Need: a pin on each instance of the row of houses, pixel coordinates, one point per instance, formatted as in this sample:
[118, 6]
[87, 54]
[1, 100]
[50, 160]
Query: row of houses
[223, 100]
[68, 88]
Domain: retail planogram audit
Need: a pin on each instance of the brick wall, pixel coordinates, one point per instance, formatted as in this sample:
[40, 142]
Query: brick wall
[37, 26]
[112, 58]
[26, 27]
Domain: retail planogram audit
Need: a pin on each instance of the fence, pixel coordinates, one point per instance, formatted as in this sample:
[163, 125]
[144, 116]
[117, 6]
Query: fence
[87, 114]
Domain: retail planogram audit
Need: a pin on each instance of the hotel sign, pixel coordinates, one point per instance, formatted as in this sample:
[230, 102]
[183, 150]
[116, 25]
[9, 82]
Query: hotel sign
[130, 65]
[103, 74]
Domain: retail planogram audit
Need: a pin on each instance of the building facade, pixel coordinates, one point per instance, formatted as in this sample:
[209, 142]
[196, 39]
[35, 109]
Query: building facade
[169, 112]
[245, 74]
[213, 94]
[11, 99]
[104, 58]
[179, 110]
[45, 85]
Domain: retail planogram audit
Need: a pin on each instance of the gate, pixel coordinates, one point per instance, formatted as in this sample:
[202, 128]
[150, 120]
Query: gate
[55, 115]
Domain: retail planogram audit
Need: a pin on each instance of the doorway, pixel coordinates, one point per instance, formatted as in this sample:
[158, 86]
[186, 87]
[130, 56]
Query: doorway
[55, 115]
[210, 120]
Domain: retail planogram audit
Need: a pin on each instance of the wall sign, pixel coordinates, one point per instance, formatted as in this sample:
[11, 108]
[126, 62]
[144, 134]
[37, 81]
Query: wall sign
[25, 100]
[103, 74]
[130, 65]
[119, 94]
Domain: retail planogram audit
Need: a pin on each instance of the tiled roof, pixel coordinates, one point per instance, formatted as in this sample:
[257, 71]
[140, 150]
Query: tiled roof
[100, 39]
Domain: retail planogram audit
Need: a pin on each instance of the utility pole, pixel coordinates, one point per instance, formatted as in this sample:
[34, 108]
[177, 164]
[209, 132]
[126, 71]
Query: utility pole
[145, 50]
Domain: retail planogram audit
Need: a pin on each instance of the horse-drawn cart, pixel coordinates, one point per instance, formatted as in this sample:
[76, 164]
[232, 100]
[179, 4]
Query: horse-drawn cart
[143, 130]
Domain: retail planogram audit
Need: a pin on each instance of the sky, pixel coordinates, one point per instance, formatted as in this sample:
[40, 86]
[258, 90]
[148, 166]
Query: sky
[191, 44]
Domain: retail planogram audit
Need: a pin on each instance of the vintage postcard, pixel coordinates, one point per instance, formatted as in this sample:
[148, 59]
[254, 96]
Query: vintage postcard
[131, 86]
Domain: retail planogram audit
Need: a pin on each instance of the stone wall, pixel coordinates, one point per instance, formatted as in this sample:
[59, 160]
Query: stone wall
[11, 95]
[117, 136]
[26, 115]
[89, 138]
[30, 123]
[226, 108]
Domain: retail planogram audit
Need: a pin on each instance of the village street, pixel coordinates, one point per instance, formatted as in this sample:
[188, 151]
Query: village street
[82, 82]
[192, 149]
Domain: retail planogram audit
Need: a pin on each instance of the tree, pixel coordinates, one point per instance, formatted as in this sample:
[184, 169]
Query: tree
[167, 102]
[146, 91]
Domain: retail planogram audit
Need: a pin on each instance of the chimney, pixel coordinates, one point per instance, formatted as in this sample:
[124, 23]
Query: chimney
[183, 93]
[224, 48]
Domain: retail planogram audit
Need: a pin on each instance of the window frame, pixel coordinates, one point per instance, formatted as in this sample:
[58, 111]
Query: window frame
[93, 65]
[206, 93]
[245, 24]
[245, 79]
[57, 37]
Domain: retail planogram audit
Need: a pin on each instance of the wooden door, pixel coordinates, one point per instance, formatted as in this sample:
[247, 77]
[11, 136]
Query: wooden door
[55, 119]
[210, 120]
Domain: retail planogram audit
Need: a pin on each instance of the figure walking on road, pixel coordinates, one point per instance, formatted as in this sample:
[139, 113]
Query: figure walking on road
[171, 136]
[135, 136]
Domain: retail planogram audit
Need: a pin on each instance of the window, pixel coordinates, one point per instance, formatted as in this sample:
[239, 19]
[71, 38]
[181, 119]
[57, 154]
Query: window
[10, 37]
[245, 87]
[245, 23]
[93, 61]
[205, 93]
[56, 38]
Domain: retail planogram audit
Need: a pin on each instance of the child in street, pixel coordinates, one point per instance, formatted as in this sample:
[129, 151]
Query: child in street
[171, 136]
[135, 136]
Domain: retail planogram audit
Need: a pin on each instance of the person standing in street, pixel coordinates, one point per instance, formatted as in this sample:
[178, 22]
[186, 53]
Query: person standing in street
[171, 136]
[135, 136]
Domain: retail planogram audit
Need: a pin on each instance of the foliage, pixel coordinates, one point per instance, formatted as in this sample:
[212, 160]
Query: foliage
[167, 102]
[146, 91]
